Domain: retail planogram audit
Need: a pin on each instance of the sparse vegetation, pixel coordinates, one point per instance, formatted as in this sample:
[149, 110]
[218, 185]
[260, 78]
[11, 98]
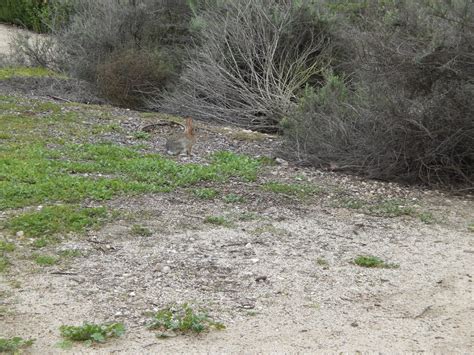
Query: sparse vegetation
[233, 198]
[56, 219]
[4, 263]
[392, 208]
[218, 221]
[70, 253]
[141, 135]
[183, 318]
[322, 262]
[6, 246]
[45, 260]
[271, 229]
[140, 231]
[91, 333]
[427, 217]
[373, 262]
[298, 190]
[205, 193]
[14, 345]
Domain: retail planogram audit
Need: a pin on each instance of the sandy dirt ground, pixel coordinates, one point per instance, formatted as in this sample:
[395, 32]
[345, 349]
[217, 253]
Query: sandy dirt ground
[281, 277]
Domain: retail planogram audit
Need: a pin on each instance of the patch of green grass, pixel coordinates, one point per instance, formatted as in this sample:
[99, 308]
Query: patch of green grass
[297, 190]
[322, 262]
[32, 174]
[141, 231]
[205, 193]
[351, 203]
[70, 253]
[233, 198]
[42, 242]
[56, 219]
[47, 159]
[373, 262]
[45, 260]
[427, 217]
[14, 345]
[183, 318]
[392, 208]
[6, 246]
[92, 333]
[248, 216]
[218, 221]
[4, 263]
[141, 135]
[34, 72]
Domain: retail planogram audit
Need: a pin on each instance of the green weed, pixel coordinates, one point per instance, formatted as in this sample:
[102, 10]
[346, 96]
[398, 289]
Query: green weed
[470, 227]
[70, 253]
[205, 193]
[427, 217]
[14, 345]
[141, 135]
[184, 319]
[42, 242]
[6, 246]
[4, 263]
[322, 262]
[373, 262]
[45, 260]
[233, 198]
[351, 203]
[392, 208]
[218, 221]
[141, 231]
[92, 333]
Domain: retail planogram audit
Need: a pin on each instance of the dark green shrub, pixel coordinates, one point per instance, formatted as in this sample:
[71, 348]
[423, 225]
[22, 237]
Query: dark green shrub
[406, 114]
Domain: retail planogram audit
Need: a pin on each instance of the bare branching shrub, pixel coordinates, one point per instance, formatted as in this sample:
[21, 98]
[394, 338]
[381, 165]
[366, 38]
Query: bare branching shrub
[407, 114]
[128, 77]
[252, 60]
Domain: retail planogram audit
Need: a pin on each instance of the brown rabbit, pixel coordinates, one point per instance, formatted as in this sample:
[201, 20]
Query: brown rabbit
[182, 142]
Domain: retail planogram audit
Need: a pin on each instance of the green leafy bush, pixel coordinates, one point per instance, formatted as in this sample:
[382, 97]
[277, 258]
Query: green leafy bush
[14, 345]
[91, 333]
[183, 318]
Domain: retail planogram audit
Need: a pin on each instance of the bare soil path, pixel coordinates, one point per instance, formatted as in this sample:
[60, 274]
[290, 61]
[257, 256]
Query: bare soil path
[281, 277]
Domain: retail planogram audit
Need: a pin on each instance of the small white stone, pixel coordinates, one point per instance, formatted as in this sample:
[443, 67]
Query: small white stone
[281, 162]
[254, 260]
[248, 245]
[166, 269]
[20, 234]
[118, 313]
[39, 208]
[132, 294]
